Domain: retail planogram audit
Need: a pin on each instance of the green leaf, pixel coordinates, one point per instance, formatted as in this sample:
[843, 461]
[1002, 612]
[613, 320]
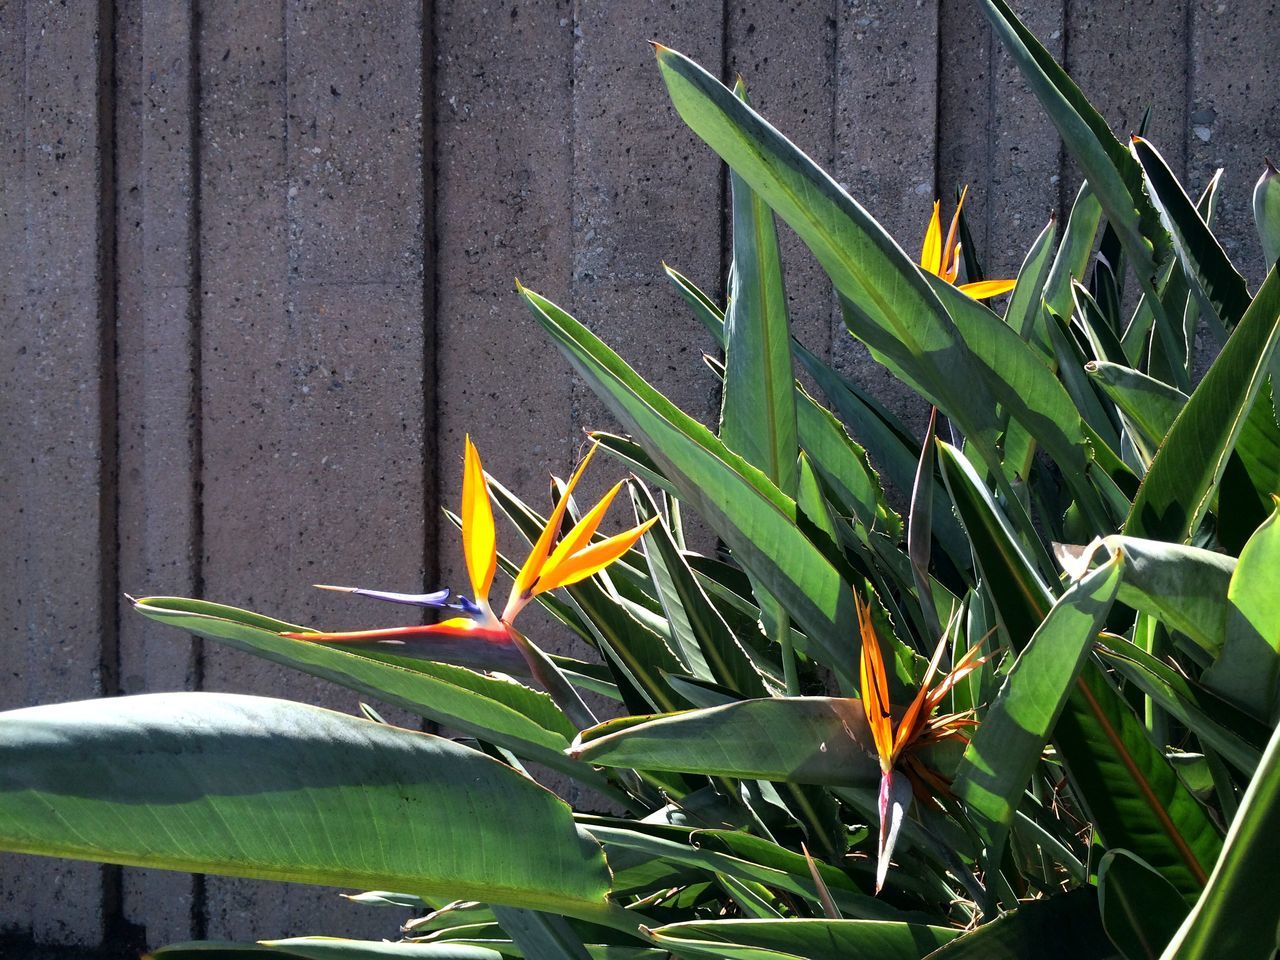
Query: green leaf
[1128, 787]
[1000, 759]
[1236, 916]
[1017, 589]
[822, 740]
[1183, 587]
[1247, 672]
[758, 416]
[704, 308]
[1148, 404]
[255, 787]
[499, 711]
[323, 948]
[1063, 927]
[808, 939]
[740, 855]
[1177, 490]
[1072, 259]
[1124, 782]
[697, 627]
[1217, 284]
[960, 356]
[842, 461]
[541, 936]
[756, 519]
[1235, 736]
[1025, 301]
[1114, 177]
[1266, 212]
[1140, 909]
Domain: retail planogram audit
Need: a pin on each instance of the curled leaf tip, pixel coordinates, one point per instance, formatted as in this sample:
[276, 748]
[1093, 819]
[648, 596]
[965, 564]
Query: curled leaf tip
[659, 48]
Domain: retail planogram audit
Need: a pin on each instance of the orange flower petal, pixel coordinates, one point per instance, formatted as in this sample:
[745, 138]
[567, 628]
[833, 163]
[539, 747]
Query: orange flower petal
[875, 687]
[592, 560]
[479, 544]
[580, 536]
[538, 556]
[951, 250]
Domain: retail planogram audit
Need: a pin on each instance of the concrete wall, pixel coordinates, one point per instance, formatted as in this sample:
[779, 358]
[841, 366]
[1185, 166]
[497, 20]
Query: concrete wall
[256, 266]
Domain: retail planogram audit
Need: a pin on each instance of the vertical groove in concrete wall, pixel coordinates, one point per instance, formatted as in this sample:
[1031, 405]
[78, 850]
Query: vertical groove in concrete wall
[158, 303]
[432, 517]
[108, 411]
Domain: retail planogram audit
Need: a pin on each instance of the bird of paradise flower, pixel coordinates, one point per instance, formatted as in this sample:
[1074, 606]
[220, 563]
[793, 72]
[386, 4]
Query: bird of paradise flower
[549, 566]
[943, 259]
[903, 774]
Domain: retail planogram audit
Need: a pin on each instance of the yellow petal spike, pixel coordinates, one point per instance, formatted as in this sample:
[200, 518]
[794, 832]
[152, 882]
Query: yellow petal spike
[479, 545]
[538, 556]
[580, 536]
[592, 560]
[875, 687]
[982, 289]
[931, 252]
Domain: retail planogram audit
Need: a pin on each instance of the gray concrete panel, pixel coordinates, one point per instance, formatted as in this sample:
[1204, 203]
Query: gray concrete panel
[56, 410]
[886, 143]
[312, 351]
[786, 55]
[1232, 120]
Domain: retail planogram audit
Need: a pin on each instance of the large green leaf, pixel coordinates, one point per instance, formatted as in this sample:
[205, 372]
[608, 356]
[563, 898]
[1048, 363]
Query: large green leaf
[1217, 284]
[758, 416]
[822, 740]
[739, 855]
[1063, 927]
[1247, 671]
[1004, 751]
[1150, 405]
[960, 355]
[1140, 909]
[807, 939]
[1236, 915]
[255, 787]
[1072, 258]
[1177, 490]
[1183, 587]
[1114, 177]
[842, 462]
[752, 515]
[322, 948]
[499, 711]
[1126, 785]
[1234, 735]
[696, 626]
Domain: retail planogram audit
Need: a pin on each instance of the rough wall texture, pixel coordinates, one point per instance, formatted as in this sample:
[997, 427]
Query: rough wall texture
[256, 265]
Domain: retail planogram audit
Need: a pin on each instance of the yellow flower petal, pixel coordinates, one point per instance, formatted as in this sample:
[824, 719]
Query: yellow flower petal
[592, 560]
[479, 545]
[538, 556]
[931, 252]
[983, 289]
[580, 536]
